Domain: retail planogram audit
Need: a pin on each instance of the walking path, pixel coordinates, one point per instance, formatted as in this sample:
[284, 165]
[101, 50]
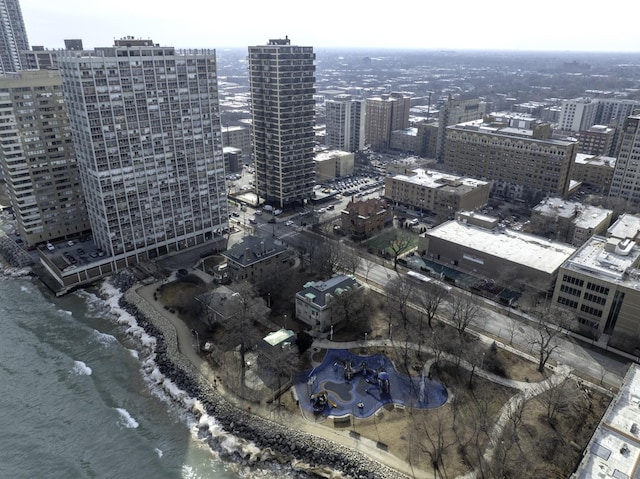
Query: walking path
[186, 344]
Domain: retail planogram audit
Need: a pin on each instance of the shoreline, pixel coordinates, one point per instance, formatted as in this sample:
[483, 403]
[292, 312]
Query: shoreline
[303, 451]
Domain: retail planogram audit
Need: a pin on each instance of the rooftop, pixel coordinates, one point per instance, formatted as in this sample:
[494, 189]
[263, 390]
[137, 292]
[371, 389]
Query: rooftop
[438, 179]
[525, 249]
[610, 259]
[319, 292]
[585, 216]
[626, 226]
[253, 249]
[583, 159]
[614, 449]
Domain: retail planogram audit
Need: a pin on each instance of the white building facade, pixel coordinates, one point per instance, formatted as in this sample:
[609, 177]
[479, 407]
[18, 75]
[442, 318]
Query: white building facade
[345, 118]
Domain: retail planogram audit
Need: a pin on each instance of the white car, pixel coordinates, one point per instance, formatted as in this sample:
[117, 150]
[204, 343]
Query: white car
[289, 223]
[50, 247]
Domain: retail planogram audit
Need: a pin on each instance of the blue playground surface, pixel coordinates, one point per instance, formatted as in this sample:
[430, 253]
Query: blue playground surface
[346, 383]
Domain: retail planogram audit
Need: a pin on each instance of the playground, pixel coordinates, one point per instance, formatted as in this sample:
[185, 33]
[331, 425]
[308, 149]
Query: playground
[345, 383]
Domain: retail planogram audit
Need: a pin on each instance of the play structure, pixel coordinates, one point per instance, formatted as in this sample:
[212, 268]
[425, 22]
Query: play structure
[345, 383]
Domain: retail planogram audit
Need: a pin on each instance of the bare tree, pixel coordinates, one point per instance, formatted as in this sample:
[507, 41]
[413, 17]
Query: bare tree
[326, 258]
[543, 337]
[368, 266]
[474, 354]
[241, 331]
[557, 399]
[465, 310]
[398, 242]
[430, 297]
[350, 259]
[399, 292]
[515, 413]
[281, 362]
[348, 307]
[432, 439]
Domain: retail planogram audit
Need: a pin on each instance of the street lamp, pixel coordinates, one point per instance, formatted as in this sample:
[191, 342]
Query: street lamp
[365, 337]
[285, 321]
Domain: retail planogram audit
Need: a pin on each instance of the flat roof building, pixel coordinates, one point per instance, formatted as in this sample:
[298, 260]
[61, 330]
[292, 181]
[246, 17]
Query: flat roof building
[497, 253]
[594, 171]
[345, 123]
[516, 152]
[600, 283]
[626, 176]
[439, 193]
[384, 114]
[614, 449]
[333, 164]
[569, 221]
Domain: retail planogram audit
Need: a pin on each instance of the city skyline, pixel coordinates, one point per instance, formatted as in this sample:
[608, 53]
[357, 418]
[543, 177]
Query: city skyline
[551, 26]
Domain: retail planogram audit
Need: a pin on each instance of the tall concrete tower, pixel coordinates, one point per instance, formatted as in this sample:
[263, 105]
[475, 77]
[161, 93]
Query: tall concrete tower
[38, 158]
[146, 126]
[345, 123]
[13, 36]
[282, 84]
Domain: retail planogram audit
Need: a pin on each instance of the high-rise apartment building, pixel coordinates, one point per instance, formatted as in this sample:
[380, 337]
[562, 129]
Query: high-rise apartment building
[577, 114]
[345, 119]
[38, 158]
[384, 114]
[614, 112]
[517, 153]
[146, 127]
[282, 84]
[13, 36]
[626, 176]
[454, 111]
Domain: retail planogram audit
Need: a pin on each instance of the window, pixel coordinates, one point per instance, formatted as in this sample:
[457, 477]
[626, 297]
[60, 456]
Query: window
[569, 290]
[571, 280]
[567, 302]
[589, 310]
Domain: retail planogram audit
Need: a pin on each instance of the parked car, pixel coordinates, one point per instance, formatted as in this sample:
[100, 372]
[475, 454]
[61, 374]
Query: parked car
[50, 247]
[289, 223]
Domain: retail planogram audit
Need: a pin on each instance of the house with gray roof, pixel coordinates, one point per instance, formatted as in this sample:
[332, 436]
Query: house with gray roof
[314, 301]
[253, 259]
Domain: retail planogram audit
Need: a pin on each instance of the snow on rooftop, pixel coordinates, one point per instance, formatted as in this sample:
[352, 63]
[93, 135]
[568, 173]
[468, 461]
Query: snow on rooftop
[593, 258]
[614, 449]
[525, 249]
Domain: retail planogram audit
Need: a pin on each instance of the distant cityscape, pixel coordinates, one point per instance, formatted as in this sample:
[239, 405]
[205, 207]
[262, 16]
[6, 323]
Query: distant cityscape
[510, 174]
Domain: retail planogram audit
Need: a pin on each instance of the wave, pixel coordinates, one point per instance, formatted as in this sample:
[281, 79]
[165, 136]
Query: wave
[103, 338]
[81, 369]
[10, 272]
[126, 420]
[204, 428]
[113, 295]
[159, 452]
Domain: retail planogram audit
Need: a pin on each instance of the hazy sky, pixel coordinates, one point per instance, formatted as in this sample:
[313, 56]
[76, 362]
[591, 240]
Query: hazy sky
[462, 24]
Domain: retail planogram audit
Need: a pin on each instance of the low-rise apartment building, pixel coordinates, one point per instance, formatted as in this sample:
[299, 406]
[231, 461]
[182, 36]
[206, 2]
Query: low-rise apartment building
[361, 219]
[333, 164]
[594, 171]
[439, 193]
[568, 221]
